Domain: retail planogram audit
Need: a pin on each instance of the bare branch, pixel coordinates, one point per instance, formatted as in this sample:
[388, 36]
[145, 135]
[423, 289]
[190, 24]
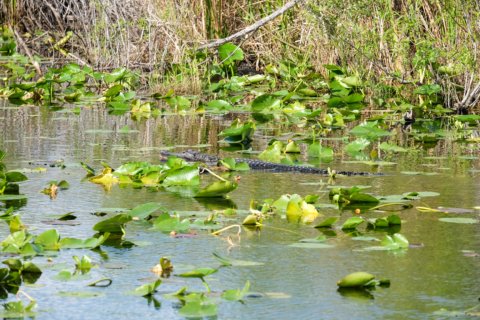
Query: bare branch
[251, 28]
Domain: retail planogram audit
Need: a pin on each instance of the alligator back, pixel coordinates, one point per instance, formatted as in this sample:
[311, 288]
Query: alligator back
[279, 167]
[211, 160]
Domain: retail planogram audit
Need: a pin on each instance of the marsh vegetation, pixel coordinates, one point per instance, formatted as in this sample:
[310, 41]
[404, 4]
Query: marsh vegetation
[100, 98]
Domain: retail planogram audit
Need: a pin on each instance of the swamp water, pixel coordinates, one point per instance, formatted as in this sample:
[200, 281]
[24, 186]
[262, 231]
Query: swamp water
[441, 272]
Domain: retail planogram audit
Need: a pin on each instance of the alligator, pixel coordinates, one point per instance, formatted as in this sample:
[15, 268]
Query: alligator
[254, 164]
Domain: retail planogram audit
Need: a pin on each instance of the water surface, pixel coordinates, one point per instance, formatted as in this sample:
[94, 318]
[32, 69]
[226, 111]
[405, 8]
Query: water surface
[295, 283]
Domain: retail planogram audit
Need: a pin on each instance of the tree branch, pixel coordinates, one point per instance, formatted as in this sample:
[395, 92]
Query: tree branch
[251, 28]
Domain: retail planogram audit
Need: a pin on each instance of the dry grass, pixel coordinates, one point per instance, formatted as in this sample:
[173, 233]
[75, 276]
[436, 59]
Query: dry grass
[384, 41]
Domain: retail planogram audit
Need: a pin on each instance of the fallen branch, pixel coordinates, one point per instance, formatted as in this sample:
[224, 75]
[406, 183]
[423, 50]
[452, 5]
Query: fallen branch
[251, 28]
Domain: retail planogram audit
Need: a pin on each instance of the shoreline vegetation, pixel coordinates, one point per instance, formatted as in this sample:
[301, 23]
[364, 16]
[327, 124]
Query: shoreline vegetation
[397, 48]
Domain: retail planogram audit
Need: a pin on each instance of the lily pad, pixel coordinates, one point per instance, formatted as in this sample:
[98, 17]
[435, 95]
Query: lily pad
[459, 220]
[198, 273]
[144, 210]
[115, 224]
[147, 289]
[327, 223]
[236, 294]
[198, 309]
[234, 262]
[80, 294]
[352, 223]
[217, 189]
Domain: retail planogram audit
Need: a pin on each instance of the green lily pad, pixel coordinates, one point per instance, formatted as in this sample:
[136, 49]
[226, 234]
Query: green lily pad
[144, 210]
[167, 223]
[198, 273]
[147, 289]
[49, 240]
[80, 294]
[459, 220]
[234, 262]
[236, 294]
[7, 197]
[352, 223]
[115, 224]
[198, 309]
[216, 189]
[327, 223]
[316, 150]
[266, 102]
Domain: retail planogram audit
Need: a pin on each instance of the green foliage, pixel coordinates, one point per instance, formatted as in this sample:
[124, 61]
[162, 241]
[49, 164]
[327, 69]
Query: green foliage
[236, 294]
[351, 195]
[238, 132]
[231, 165]
[9, 188]
[216, 189]
[147, 289]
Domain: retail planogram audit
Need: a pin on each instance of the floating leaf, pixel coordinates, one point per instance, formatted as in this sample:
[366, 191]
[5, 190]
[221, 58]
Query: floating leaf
[16, 309]
[315, 243]
[115, 224]
[83, 265]
[292, 147]
[394, 219]
[359, 197]
[251, 220]
[7, 197]
[144, 210]
[166, 223]
[147, 289]
[186, 176]
[309, 212]
[216, 189]
[238, 132]
[67, 216]
[232, 165]
[316, 150]
[219, 105]
[327, 223]
[15, 176]
[352, 223]
[400, 240]
[236, 294]
[370, 131]
[49, 240]
[90, 243]
[234, 262]
[198, 273]
[355, 148]
[294, 212]
[356, 279]
[459, 220]
[266, 102]
[198, 309]
[391, 147]
[80, 294]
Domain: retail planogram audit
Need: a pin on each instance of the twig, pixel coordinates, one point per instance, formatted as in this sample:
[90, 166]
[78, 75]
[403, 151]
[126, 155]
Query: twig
[251, 28]
[216, 233]
[214, 174]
